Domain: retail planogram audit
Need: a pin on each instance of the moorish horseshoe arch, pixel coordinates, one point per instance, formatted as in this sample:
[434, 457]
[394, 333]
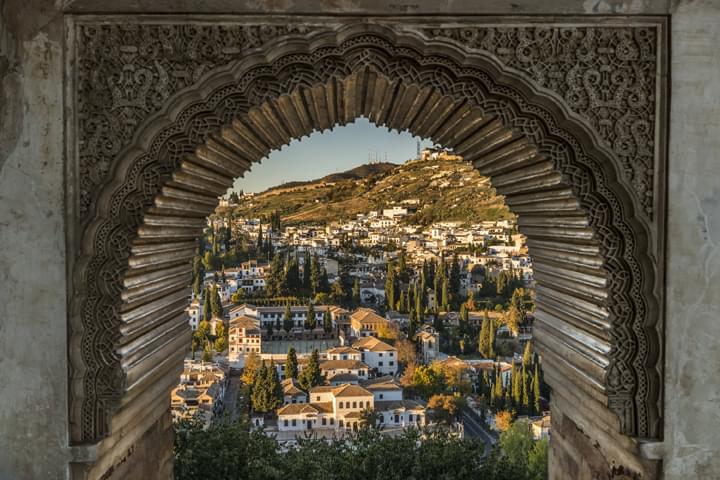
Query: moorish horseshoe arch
[597, 309]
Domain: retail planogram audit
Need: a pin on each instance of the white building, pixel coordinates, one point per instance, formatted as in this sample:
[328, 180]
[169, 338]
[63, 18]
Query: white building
[378, 355]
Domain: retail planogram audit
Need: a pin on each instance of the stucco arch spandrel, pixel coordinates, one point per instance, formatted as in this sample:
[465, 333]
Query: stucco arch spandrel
[601, 335]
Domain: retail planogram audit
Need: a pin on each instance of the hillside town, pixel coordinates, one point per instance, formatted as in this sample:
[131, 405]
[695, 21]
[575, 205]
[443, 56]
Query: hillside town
[329, 327]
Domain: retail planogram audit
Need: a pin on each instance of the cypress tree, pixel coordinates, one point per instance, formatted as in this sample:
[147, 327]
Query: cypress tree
[207, 310]
[464, 320]
[491, 339]
[307, 286]
[260, 241]
[324, 282]
[516, 387]
[327, 321]
[315, 275]
[525, 391]
[311, 375]
[287, 318]
[455, 277]
[220, 337]
[260, 396]
[536, 390]
[390, 286]
[527, 355]
[216, 303]
[418, 305]
[310, 322]
[356, 292]
[445, 294]
[291, 364]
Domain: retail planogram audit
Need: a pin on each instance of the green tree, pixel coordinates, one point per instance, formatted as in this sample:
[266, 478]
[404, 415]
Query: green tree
[538, 461]
[215, 303]
[486, 343]
[390, 286]
[292, 282]
[310, 320]
[260, 241]
[464, 322]
[516, 444]
[536, 391]
[356, 292]
[311, 375]
[315, 275]
[446, 294]
[327, 321]
[220, 337]
[207, 305]
[207, 354]
[515, 381]
[291, 364]
[275, 278]
[527, 359]
[287, 318]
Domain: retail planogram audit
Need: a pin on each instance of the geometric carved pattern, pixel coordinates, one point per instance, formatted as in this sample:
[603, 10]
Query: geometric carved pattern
[605, 74]
[586, 228]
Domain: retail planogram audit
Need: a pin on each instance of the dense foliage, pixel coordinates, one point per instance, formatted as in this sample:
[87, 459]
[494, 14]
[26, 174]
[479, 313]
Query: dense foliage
[232, 451]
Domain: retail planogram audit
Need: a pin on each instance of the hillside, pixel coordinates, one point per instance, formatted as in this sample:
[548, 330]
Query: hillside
[444, 190]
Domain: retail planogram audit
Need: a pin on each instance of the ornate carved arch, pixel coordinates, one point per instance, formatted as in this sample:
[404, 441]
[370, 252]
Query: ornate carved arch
[595, 275]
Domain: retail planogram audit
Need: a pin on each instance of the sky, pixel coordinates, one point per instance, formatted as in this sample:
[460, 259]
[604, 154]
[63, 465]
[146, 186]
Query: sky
[333, 151]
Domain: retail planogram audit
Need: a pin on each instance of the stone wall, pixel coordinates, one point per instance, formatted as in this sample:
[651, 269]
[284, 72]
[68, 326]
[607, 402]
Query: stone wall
[692, 343]
[33, 299]
[33, 313]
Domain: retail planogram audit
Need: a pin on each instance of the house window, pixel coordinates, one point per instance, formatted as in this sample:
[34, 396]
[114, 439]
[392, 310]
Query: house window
[410, 417]
[382, 395]
[392, 354]
[317, 398]
[380, 364]
[380, 354]
[324, 421]
[294, 422]
[391, 363]
[332, 421]
[340, 405]
[354, 404]
[286, 422]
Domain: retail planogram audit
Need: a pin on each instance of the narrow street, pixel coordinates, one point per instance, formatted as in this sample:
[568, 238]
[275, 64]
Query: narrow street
[231, 397]
[474, 429]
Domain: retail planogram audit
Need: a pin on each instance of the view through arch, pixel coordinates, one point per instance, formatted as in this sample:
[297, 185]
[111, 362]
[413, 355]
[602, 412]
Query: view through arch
[570, 202]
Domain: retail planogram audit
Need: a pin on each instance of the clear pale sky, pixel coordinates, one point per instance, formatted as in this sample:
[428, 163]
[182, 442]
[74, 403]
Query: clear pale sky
[330, 152]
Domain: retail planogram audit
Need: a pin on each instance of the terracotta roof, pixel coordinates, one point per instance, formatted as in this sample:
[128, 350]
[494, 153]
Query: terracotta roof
[324, 407]
[373, 344]
[350, 390]
[297, 408]
[367, 315]
[336, 364]
[382, 383]
[386, 405]
[290, 387]
[322, 389]
[340, 350]
[343, 377]
[243, 321]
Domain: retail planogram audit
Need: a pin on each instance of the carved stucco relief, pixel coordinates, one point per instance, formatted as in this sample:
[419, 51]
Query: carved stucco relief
[127, 72]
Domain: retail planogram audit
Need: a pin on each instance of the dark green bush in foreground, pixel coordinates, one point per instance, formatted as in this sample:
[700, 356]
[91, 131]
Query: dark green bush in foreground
[229, 452]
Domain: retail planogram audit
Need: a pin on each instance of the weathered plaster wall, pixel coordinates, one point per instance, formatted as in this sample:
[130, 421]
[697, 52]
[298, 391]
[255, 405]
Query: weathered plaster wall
[33, 372]
[692, 391]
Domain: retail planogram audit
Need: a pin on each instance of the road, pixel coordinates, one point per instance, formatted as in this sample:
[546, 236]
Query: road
[231, 396]
[474, 428]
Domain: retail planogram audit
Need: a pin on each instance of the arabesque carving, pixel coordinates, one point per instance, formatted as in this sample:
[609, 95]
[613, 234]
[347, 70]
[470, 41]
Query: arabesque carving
[580, 214]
